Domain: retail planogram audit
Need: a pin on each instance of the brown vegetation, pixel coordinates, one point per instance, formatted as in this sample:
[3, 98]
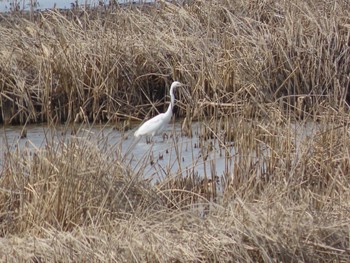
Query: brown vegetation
[254, 67]
[108, 64]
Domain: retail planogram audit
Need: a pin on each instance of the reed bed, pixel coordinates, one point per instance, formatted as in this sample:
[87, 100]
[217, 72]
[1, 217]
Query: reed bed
[268, 79]
[115, 62]
[285, 199]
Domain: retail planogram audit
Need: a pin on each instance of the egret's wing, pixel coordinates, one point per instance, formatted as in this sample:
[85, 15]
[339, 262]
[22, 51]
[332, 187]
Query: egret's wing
[152, 126]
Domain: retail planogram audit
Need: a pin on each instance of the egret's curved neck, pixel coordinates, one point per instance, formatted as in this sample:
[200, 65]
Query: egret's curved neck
[172, 100]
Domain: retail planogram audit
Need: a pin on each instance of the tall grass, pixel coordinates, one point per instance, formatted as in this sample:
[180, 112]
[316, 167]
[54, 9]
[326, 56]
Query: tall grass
[110, 64]
[254, 68]
[285, 198]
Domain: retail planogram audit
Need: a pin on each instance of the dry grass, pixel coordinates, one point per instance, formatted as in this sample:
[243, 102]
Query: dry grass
[110, 64]
[286, 199]
[254, 67]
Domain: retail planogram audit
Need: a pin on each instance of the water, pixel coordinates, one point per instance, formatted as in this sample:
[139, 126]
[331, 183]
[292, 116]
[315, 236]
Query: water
[172, 156]
[11, 5]
[162, 157]
[180, 154]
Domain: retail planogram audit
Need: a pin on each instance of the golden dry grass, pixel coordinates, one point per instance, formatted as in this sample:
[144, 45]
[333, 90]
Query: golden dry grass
[286, 199]
[103, 65]
[253, 68]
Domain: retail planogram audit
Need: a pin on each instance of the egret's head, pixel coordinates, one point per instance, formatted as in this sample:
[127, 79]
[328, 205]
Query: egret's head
[176, 84]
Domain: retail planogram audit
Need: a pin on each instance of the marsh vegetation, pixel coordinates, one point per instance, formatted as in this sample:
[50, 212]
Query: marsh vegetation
[260, 74]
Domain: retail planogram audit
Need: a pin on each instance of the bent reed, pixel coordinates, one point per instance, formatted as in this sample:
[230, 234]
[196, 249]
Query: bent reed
[268, 78]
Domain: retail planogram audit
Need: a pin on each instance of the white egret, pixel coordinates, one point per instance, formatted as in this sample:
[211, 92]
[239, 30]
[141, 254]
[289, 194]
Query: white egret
[158, 123]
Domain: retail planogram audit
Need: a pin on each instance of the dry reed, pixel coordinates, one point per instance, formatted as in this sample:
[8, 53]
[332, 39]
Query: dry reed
[254, 68]
[286, 199]
[108, 64]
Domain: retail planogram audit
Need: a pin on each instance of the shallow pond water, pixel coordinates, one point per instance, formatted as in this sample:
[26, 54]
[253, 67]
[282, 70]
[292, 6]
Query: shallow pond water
[173, 154]
[9, 5]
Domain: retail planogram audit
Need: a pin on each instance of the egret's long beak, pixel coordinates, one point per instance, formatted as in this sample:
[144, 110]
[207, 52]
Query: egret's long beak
[182, 85]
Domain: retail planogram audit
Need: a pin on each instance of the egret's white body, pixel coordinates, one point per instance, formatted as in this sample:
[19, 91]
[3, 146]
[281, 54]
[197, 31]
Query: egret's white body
[158, 123]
